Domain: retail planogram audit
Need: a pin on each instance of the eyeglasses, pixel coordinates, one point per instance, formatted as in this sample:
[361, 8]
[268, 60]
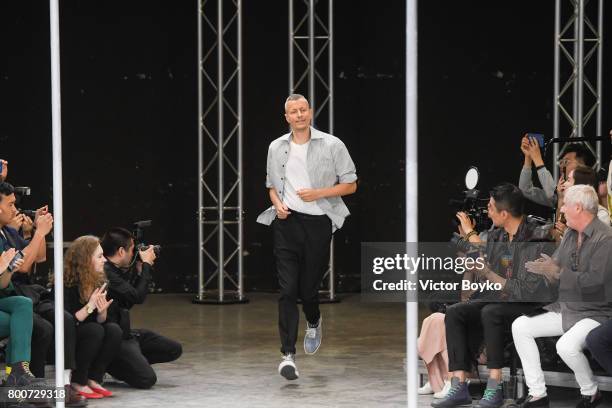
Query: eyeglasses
[565, 162]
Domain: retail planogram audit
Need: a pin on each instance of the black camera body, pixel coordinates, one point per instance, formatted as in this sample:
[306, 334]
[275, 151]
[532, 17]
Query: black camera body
[138, 231]
[475, 207]
[144, 247]
[28, 213]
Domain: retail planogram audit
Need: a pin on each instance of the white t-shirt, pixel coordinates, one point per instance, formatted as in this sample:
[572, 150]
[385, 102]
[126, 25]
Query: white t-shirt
[296, 178]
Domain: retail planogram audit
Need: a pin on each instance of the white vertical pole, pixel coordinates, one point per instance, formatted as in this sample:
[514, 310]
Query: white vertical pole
[412, 308]
[58, 235]
[200, 163]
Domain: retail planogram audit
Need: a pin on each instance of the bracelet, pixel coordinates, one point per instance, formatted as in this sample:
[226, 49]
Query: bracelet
[539, 167]
[469, 234]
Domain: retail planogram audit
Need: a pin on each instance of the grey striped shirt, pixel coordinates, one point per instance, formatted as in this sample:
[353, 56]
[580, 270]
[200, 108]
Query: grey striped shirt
[328, 162]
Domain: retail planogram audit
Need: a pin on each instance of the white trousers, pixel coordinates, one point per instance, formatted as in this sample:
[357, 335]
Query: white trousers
[569, 347]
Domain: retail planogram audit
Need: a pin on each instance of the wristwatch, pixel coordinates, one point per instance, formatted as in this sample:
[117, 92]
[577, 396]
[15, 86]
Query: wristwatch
[89, 309]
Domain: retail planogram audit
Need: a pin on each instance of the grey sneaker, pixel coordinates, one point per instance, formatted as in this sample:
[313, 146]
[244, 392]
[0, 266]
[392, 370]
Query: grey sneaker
[493, 396]
[312, 339]
[458, 396]
[287, 367]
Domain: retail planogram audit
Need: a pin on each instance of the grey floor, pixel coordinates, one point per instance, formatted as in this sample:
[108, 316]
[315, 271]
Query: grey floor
[231, 354]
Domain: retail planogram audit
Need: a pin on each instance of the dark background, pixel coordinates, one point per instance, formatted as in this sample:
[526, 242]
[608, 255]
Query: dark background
[129, 114]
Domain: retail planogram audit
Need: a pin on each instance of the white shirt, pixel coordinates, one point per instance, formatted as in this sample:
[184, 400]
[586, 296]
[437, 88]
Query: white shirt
[296, 178]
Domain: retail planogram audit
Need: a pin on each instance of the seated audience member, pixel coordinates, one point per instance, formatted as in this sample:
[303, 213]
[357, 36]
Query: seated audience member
[581, 266]
[140, 347]
[574, 154]
[16, 323]
[97, 339]
[588, 176]
[34, 251]
[432, 339]
[487, 315]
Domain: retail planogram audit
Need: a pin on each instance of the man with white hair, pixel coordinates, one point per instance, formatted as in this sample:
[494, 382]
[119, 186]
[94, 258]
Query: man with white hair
[582, 269]
[308, 172]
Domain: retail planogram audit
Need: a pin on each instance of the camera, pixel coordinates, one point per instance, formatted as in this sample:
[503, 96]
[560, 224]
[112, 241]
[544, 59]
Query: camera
[143, 247]
[472, 203]
[138, 231]
[28, 213]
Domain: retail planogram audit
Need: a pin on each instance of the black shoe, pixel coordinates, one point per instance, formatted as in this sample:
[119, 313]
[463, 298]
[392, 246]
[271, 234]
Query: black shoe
[589, 401]
[527, 402]
[21, 376]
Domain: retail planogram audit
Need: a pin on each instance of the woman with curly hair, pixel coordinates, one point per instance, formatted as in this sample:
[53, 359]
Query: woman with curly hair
[97, 340]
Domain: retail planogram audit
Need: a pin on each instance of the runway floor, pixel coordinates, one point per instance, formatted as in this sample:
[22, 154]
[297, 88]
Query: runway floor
[231, 354]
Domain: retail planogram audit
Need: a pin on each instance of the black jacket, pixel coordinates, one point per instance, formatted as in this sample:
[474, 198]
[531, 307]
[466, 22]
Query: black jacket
[126, 289]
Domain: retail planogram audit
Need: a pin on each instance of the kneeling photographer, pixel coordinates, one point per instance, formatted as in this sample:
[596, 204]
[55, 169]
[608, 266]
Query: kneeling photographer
[129, 277]
[487, 316]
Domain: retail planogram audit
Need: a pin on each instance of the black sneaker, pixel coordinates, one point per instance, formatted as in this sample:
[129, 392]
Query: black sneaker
[21, 376]
[458, 396]
[589, 401]
[528, 402]
[493, 396]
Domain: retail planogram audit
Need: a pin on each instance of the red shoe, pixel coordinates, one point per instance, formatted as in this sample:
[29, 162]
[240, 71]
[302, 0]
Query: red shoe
[101, 391]
[90, 395]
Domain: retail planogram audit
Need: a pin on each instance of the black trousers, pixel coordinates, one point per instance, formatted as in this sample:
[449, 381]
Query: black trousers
[133, 363]
[46, 325]
[42, 338]
[96, 346]
[301, 250]
[468, 324]
[599, 342]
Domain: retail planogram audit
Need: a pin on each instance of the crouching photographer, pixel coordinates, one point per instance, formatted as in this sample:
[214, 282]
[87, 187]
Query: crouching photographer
[486, 317]
[129, 277]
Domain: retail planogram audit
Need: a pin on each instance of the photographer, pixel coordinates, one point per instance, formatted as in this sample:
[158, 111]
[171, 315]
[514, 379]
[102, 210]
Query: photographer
[34, 251]
[140, 347]
[487, 315]
[16, 323]
[574, 154]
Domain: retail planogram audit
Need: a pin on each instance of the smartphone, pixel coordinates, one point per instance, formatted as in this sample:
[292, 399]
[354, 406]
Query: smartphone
[18, 256]
[537, 136]
[1, 166]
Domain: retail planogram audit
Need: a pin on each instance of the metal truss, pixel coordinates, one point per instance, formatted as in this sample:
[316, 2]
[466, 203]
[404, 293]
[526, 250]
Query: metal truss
[220, 195]
[311, 73]
[578, 74]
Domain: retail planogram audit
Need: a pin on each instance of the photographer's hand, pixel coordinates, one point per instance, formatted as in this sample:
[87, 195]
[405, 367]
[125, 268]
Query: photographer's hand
[41, 211]
[17, 221]
[466, 224]
[525, 150]
[27, 227]
[148, 256]
[535, 153]
[466, 227]
[44, 224]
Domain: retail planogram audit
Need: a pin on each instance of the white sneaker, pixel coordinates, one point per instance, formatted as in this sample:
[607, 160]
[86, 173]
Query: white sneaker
[426, 389]
[444, 391]
[287, 367]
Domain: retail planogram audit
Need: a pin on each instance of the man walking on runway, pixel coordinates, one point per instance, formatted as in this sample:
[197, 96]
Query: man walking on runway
[307, 173]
